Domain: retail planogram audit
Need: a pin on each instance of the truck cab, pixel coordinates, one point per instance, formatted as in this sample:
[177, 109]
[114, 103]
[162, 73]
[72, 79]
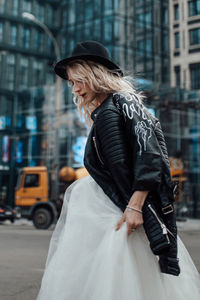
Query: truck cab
[32, 197]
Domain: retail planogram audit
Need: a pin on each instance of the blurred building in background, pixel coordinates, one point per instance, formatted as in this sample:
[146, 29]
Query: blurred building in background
[136, 33]
[26, 58]
[185, 44]
[148, 39]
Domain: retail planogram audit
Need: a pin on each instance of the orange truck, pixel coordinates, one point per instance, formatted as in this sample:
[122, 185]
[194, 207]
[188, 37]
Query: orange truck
[33, 194]
[34, 191]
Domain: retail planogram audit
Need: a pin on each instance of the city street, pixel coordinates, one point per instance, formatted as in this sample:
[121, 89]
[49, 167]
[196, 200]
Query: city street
[23, 252]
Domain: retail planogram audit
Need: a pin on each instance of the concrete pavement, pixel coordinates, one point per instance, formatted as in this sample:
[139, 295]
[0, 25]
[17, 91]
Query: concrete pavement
[23, 254]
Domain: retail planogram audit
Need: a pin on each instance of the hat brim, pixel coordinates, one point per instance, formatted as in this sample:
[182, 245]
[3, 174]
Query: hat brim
[60, 67]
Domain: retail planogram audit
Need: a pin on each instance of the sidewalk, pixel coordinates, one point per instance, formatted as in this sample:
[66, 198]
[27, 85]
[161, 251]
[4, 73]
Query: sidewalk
[186, 224]
[189, 224]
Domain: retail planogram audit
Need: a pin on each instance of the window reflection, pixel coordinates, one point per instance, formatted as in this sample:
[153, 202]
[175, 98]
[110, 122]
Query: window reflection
[88, 9]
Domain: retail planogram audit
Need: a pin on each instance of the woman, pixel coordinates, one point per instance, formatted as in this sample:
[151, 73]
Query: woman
[99, 249]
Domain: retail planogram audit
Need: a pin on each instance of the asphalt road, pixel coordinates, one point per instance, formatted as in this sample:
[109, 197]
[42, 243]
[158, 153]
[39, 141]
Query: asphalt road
[23, 251]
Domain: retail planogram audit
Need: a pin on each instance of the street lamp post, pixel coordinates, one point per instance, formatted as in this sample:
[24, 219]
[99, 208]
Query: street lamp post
[32, 18]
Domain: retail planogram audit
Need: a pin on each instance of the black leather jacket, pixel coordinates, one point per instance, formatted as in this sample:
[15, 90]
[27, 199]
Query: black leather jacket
[126, 151]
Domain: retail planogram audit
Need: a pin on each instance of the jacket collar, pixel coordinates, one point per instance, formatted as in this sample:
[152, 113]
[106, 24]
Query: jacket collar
[100, 107]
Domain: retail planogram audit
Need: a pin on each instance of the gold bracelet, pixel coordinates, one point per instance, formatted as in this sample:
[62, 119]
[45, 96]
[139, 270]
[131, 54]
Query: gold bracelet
[133, 208]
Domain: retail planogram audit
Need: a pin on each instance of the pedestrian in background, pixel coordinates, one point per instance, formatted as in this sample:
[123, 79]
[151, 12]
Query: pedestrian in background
[99, 249]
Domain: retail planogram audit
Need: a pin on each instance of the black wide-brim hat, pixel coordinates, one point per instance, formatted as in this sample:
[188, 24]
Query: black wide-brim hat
[89, 50]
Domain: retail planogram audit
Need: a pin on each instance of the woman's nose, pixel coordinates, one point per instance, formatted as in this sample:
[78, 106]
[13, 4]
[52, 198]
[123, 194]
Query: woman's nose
[76, 87]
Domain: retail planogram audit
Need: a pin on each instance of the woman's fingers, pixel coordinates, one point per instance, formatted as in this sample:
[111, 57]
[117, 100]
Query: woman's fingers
[129, 228]
[121, 221]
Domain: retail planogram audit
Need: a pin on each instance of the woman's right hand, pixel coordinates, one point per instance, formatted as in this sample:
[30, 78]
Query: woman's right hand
[133, 220]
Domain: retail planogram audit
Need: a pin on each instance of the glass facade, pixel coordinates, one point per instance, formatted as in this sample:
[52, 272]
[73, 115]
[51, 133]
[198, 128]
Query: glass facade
[194, 7]
[194, 36]
[10, 73]
[127, 29]
[26, 37]
[195, 76]
[13, 35]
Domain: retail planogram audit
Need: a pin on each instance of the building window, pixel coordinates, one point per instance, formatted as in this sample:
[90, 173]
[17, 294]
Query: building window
[149, 46]
[165, 42]
[87, 30]
[50, 45]
[2, 6]
[194, 7]
[148, 19]
[107, 5]
[116, 29]
[37, 73]
[10, 71]
[39, 40]
[177, 40]
[177, 70]
[64, 18]
[63, 46]
[176, 12]
[97, 6]
[50, 14]
[26, 37]
[71, 45]
[140, 20]
[39, 12]
[195, 76]
[24, 72]
[195, 36]
[15, 6]
[1, 31]
[165, 16]
[116, 55]
[140, 47]
[108, 30]
[71, 12]
[50, 77]
[13, 35]
[27, 7]
[78, 32]
[79, 10]
[88, 9]
[116, 4]
[97, 29]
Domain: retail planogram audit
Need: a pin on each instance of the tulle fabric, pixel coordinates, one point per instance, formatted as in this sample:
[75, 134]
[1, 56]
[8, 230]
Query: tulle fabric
[89, 260]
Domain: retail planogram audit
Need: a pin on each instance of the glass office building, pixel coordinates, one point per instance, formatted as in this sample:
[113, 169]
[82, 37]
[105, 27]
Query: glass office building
[136, 33]
[26, 59]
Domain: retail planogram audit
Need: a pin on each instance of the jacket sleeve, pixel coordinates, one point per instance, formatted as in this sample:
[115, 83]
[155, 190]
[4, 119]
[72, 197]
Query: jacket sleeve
[110, 132]
[147, 155]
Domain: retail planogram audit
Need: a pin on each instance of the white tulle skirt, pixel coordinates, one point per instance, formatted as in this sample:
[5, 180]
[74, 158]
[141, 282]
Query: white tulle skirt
[89, 260]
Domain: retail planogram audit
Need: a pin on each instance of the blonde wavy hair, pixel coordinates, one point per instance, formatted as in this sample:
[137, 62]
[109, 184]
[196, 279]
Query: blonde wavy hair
[101, 80]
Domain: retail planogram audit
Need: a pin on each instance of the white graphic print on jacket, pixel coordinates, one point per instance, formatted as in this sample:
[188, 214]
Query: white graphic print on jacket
[134, 109]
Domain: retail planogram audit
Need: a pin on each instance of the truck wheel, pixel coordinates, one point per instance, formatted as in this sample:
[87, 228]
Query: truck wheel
[42, 218]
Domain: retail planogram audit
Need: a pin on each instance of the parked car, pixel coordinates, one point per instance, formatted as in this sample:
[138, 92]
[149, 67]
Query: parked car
[8, 213]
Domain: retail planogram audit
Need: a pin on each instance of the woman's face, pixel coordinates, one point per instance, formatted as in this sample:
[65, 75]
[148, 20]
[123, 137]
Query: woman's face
[82, 89]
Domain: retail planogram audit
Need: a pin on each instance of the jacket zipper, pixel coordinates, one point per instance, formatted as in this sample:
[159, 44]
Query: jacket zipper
[164, 228]
[95, 144]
